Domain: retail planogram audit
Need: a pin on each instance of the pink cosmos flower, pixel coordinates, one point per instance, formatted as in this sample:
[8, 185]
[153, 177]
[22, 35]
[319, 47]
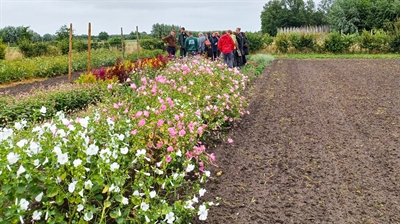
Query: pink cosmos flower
[146, 113]
[230, 140]
[163, 107]
[160, 123]
[144, 80]
[200, 130]
[128, 79]
[170, 149]
[109, 86]
[142, 122]
[138, 114]
[116, 106]
[176, 117]
[172, 131]
[134, 132]
[182, 133]
[126, 111]
[168, 158]
[133, 86]
[198, 113]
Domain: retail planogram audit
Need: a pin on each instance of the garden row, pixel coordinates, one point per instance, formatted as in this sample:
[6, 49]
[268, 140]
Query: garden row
[139, 157]
[17, 70]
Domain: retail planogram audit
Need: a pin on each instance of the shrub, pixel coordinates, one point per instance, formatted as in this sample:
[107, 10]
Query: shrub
[116, 43]
[282, 42]
[255, 41]
[80, 46]
[335, 43]
[29, 49]
[262, 59]
[145, 54]
[268, 39]
[394, 43]
[63, 45]
[374, 42]
[3, 49]
[152, 44]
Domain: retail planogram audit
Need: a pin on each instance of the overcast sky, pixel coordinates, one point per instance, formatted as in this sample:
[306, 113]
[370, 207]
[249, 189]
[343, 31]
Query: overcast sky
[47, 16]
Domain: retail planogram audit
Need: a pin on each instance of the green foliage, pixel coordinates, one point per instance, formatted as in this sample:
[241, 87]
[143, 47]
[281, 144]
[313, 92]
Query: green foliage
[152, 44]
[335, 43]
[29, 49]
[62, 33]
[103, 36]
[63, 45]
[268, 39]
[374, 42]
[3, 49]
[262, 59]
[161, 30]
[86, 79]
[80, 45]
[394, 44]
[282, 42]
[116, 42]
[145, 54]
[256, 41]
[302, 41]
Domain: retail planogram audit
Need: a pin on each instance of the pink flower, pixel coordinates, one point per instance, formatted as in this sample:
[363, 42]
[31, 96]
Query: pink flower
[163, 107]
[142, 123]
[198, 113]
[128, 79]
[168, 158]
[159, 145]
[160, 123]
[109, 86]
[201, 166]
[185, 67]
[104, 110]
[230, 140]
[176, 117]
[144, 80]
[134, 132]
[200, 130]
[170, 149]
[133, 86]
[116, 106]
[138, 114]
[120, 104]
[182, 133]
[208, 97]
[146, 113]
[212, 157]
[126, 111]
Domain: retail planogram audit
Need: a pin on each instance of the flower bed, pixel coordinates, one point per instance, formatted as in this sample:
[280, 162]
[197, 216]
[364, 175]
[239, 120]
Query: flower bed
[139, 158]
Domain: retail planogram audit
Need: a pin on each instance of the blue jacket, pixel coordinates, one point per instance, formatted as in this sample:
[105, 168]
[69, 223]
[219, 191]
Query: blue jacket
[214, 43]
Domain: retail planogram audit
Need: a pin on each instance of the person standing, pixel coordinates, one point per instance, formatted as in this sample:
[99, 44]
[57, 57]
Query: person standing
[181, 42]
[201, 40]
[226, 46]
[239, 49]
[191, 45]
[214, 44]
[245, 48]
[235, 53]
[171, 43]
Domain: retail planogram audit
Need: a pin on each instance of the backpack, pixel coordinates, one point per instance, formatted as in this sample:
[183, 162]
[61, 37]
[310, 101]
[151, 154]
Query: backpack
[207, 43]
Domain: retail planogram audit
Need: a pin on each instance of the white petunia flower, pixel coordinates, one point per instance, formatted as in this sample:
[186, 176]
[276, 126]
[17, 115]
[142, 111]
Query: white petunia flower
[153, 194]
[18, 126]
[62, 158]
[36, 215]
[195, 199]
[88, 184]
[77, 162]
[170, 217]
[203, 212]
[36, 163]
[38, 198]
[71, 186]
[136, 193]
[124, 150]
[144, 206]
[81, 193]
[88, 216]
[125, 201]
[208, 173]
[121, 137]
[80, 208]
[158, 171]
[188, 205]
[43, 110]
[34, 148]
[92, 150]
[12, 158]
[21, 170]
[22, 143]
[179, 153]
[114, 166]
[65, 121]
[202, 191]
[190, 168]
[140, 152]
[23, 204]
[84, 122]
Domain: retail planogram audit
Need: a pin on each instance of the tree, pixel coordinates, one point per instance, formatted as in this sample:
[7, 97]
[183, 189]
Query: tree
[62, 33]
[48, 37]
[273, 16]
[162, 30]
[103, 36]
[35, 36]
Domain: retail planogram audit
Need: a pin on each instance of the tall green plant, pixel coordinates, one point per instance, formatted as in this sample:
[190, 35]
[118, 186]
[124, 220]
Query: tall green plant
[255, 41]
[282, 42]
[3, 49]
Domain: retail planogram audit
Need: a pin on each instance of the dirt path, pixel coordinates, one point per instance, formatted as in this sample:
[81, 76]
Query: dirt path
[321, 146]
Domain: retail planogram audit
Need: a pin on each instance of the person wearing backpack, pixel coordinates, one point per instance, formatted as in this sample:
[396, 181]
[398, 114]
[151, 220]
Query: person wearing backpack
[181, 42]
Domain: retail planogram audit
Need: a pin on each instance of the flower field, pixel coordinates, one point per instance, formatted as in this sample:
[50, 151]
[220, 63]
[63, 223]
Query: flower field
[139, 157]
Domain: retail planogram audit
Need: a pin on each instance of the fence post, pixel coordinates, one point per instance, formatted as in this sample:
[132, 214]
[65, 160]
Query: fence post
[89, 47]
[137, 42]
[122, 42]
[70, 55]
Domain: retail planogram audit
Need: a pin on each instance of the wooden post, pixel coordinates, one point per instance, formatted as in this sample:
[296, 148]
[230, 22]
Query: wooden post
[137, 42]
[89, 47]
[70, 55]
[122, 43]
[8, 48]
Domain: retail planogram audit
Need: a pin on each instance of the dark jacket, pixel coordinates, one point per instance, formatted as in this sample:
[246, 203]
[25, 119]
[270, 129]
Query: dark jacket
[170, 40]
[214, 43]
[239, 39]
[245, 46]
[181, 39]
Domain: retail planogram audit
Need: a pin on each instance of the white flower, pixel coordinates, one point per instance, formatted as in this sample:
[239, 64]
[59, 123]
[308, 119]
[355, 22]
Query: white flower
[22, 143]
[121, 137]
[23, 204]
[65, 121]
[88, 216]
[71, 186]
[170, 217]
[20, 170]
[71, 127]
[188, 205]
[189, 168]
[158, 171]
[208, 173]
[81, 193]
[124, 150]
[36, 215]
[125, 201]
[43, 110]
[77, 162]
[92, 150]
[136, 193]
[144, 206]
[203, 212]
[114, 188]
[158, 164]
[62, 133]
[84, 122]
[60, 115]
[36, 163]
[12, 158]
[5, 134]
[80, 208]
[195, 199]
[38, 198]
[147, 218]
[114, 166]
[140, 152]
[88, 184]
[34, 148]
[179, 153]
[62, 158]
[153, 194]
[202, 191]
[18, 126]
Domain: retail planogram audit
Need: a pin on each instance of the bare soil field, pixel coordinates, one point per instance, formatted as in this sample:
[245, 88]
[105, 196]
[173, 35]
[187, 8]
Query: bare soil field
[321, 146]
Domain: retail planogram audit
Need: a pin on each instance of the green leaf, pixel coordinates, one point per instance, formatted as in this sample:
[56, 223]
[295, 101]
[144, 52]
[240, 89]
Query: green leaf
[52, 191]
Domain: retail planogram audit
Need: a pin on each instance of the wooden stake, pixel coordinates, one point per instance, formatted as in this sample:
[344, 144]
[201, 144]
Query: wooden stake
[89, 47]
[122, 43]
[137, 42]
[70, 55]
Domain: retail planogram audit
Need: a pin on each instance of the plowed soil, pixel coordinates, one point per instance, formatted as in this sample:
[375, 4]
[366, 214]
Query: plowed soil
[321, 145]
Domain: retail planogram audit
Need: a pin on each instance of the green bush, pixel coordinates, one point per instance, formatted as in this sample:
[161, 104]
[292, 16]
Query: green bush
[116, 43]
[29, 49]
[145, 54]
[374, 42]
[63, 45]
[262, 59]
[152, 44]
[268, 39]
[394, 43]
[282, 42]
[255, 41]
[80, 46]
[335, 43]
[3, 49]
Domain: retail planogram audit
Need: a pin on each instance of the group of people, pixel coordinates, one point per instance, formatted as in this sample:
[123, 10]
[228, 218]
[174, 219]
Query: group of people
[232, 46]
